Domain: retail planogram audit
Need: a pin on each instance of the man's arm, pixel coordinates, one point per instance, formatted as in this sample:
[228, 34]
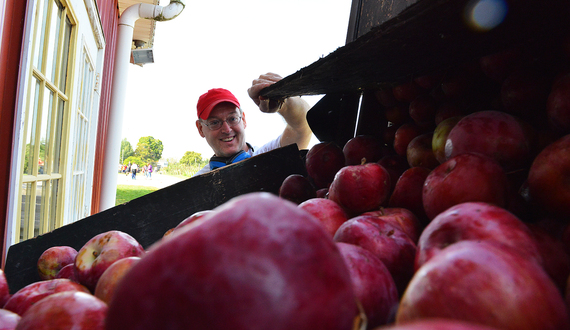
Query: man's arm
[293, 109]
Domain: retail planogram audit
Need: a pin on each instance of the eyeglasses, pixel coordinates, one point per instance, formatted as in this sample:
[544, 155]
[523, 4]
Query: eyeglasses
[216, 124]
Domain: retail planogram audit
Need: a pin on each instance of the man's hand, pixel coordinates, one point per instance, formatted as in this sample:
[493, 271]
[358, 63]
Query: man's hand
[264, 80]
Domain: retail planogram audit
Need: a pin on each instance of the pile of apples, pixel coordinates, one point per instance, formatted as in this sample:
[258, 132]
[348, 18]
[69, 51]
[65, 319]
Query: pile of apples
[455, 216]
[75, 286]
[463, 195]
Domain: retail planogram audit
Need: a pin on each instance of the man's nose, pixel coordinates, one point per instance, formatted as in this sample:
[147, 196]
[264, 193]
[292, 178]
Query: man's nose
[225, 126]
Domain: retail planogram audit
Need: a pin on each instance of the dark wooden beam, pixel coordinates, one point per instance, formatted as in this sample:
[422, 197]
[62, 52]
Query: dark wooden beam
[425, 37]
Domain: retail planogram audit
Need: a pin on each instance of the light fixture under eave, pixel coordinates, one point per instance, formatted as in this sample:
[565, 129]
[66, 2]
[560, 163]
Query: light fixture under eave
[142, 56]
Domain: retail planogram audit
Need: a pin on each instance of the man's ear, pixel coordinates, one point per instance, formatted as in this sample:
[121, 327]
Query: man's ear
[200, 128]
[243, 119]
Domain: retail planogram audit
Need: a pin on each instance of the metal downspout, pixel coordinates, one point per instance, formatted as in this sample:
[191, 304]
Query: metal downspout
[120, 80]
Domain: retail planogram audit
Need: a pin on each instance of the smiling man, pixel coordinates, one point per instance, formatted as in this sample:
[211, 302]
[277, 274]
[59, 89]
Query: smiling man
[222, 122]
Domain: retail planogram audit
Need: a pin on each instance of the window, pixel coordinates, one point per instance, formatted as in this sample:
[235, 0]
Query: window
[47, 104]
[57, 110]
[81, 139]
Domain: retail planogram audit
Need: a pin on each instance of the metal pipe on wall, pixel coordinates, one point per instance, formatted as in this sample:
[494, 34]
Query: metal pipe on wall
[120, 80]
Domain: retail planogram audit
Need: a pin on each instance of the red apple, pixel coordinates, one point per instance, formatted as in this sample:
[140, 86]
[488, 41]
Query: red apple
[422, 109]
[190, 219]
[52, 260]
[500, 65]
[259, 261]
[4, 289]
[100, 252]
[110, 278]
[549, 179]
[65, 311]
[8, 320]
[446, 110]
[408, 192]
[558, 105]
[329, 213]
[420, 152]
[388, 242]
[398, 114]
[385, 97]
[34, 292]
[362, 147]
[464, 178]
[476, 221]
[68, 272]
[360, 188]
[404, 134]
[297, 189]
[567, 294]
[429, 81]
[399, 217]
[440, 137]
[462, 82]
[436, 324]
[323, 193]
[524, 93]
[373, 284]
[556, 261]
[395, 165]
[406, 92]
[484, 283]
[492, 133]
[322, 161]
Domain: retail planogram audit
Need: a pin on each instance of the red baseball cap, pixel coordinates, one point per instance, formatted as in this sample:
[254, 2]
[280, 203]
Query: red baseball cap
[213, 97]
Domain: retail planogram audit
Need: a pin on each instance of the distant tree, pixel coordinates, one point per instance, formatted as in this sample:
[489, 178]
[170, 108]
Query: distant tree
[149, 149]
[135, 160]
[191, 158]
[126, 150]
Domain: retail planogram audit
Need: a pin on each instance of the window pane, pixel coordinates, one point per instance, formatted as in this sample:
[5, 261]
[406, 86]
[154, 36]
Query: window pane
[57, 136]
[62, 83]
[25, 209]
[42, 211]
[41, 15]
[87, 90]
[53, 41]
[40, 199]
[78, 192]
[45, 130]
[31, 123]
[53, 204]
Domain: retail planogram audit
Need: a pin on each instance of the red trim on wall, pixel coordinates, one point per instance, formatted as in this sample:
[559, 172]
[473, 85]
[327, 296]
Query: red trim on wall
[14, 17]
[109, 11]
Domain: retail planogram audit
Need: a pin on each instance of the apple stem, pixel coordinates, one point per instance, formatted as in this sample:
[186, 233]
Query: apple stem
[363, 161]
[95, 254]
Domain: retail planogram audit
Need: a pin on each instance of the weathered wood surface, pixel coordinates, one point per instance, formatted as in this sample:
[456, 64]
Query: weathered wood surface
[147, 218]
[367, 14]
[427, 36]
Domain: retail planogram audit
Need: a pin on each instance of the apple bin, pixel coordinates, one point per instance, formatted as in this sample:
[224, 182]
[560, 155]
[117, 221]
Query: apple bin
[475, 229]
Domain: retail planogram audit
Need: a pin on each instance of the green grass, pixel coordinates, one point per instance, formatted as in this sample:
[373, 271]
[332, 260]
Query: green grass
[127, 193]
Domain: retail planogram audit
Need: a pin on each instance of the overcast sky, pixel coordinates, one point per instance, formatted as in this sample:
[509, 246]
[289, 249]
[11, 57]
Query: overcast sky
[226, 43]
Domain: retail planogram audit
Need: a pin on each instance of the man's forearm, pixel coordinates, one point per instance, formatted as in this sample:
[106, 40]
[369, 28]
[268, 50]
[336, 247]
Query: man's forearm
[294, 111]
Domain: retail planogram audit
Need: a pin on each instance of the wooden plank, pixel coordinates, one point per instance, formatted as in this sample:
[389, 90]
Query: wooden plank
[147, 218]
[429, 35]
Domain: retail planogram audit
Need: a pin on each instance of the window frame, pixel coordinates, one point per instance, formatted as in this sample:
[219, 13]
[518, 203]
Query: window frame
[85, 37]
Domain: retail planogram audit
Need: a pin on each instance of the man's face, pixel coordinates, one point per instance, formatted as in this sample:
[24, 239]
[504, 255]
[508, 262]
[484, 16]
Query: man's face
[225, 141]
